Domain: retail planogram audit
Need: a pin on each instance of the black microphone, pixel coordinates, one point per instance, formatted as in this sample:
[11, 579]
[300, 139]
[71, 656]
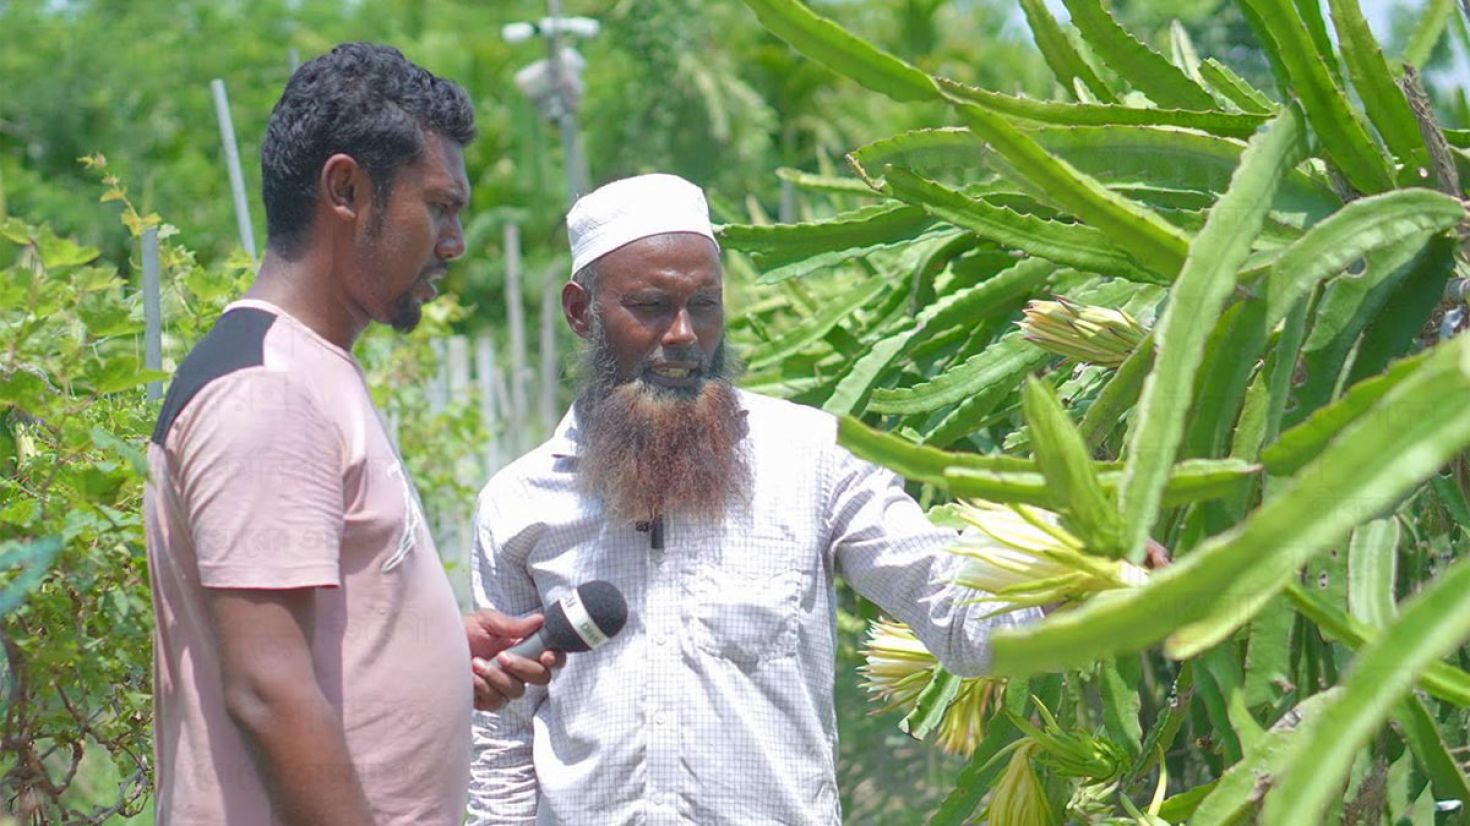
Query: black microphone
[586, 617]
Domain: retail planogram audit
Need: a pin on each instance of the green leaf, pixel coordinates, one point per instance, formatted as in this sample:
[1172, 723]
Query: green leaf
[1192, 480]
[1074, 245]
[811, 330]
[1177, 706]
[93, 279]
[1427, 32]
[1230, 356]
[15, 231]
[1216, 681]
[970, 305]
[1372, 570]
[1234, 87]
[825, 183]
[942, 148]
[1120, 707]
[1178, 159]
[135, 455]
[1227, 124]
[982, 769]
[916, 462]
[1151, 240]
[827, 43]
[1306, 441]
[775, 245]
[1268, 654]
[1347, 305]
[1382, 98]
[1417, 728]
[1361, 227]
[969, 416]
[122, 372]
[1334, 121]
[1414, 429]
[1433, 623]
[931, 704]
[1065, 62]
[1440, 679]
[34, 556]
[63, 253]
[1064, 461]
[1394, 331]
[991, 476]
[1181, 807]
[1195, 303]
[1183, 54]
[1142, 67]
[1118, 395]
[1001, 362]
[1311, 15]
[1239, 790]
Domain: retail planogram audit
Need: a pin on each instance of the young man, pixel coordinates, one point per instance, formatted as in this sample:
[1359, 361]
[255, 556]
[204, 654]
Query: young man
[724, 517]
[311, 666]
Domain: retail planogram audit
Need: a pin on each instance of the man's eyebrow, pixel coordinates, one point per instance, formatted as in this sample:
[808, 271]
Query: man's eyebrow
[456, 196]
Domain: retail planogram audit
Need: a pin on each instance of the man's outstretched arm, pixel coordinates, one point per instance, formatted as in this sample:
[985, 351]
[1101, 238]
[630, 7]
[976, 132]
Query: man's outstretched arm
[890, 553]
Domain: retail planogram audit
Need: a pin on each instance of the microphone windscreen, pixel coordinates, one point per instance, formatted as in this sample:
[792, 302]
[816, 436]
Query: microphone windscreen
[586, 617]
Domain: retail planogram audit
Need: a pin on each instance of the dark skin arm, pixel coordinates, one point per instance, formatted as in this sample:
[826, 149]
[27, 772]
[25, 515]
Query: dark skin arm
[490, 633]
[271, 694]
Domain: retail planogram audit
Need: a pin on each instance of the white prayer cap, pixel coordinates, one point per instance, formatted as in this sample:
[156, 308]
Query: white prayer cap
[619, 213]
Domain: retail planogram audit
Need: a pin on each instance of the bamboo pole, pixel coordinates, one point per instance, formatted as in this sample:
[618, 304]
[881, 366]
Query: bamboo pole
[485, 379]
[515, 314]
[232, 162]
[550, 367]
[152, 311]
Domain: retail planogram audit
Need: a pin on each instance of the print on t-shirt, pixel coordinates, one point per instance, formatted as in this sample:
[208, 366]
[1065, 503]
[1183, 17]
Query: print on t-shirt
[413, 518]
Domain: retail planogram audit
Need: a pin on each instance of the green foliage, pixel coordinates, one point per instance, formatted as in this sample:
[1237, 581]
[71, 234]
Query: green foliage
[77, 662]
[1293, 292]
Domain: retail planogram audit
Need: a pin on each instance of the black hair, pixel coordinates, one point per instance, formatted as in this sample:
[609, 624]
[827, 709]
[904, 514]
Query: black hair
[363, 100]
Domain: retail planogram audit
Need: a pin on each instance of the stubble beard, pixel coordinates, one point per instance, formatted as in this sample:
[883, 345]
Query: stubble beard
[406, 311]
[649, 451]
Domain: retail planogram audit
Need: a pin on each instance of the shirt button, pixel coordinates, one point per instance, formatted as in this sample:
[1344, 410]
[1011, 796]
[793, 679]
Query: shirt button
[658, 798]
[661, 639]
[660, 718]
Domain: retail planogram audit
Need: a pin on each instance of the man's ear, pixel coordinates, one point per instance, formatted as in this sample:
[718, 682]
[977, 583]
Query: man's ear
[344, 187]
[576, 305]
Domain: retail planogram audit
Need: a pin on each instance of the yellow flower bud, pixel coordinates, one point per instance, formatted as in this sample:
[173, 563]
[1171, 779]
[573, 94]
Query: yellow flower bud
[1018, 799]
[1081, 332]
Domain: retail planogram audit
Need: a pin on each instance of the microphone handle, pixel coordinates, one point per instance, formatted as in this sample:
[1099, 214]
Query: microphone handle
[530, 648]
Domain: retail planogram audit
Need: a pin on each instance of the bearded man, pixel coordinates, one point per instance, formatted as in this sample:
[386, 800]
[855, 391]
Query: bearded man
[724, 517]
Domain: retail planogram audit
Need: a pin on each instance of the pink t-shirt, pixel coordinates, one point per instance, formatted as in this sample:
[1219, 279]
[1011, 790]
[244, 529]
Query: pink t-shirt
[270, 468]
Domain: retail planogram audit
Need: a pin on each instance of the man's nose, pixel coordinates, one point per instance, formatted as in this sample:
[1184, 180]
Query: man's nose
[681, 331]
[451, 242]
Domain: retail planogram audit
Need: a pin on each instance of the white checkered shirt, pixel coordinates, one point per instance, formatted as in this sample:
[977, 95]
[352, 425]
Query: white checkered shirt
[714, 705]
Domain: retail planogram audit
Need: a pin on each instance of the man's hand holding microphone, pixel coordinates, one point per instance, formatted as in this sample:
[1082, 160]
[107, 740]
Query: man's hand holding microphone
[582, 619]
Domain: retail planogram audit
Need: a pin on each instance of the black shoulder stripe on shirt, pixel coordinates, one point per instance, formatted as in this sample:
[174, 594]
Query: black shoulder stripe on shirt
[236, 342]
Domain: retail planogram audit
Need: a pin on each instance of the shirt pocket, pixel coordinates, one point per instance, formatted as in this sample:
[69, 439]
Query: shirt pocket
[748, 604]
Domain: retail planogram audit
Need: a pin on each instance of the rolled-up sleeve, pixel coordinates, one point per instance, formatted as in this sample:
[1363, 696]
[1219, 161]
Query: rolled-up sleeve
[503, 788]
[889, 551]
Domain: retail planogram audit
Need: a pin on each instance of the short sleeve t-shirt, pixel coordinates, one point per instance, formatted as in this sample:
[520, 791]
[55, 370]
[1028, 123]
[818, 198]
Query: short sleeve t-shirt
[270, 469]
